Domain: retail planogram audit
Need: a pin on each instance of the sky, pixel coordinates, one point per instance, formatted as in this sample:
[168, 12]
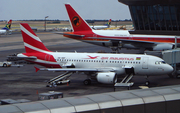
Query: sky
[55, 9]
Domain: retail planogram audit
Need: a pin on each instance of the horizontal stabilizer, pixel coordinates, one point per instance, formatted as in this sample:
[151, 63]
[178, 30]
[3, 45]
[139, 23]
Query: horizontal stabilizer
[37, 69]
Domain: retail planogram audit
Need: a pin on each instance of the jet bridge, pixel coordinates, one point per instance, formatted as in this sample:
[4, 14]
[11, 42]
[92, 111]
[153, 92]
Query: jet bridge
[170, 56]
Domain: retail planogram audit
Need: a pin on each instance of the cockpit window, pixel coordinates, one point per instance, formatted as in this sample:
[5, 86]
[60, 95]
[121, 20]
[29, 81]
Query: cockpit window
[160, 62]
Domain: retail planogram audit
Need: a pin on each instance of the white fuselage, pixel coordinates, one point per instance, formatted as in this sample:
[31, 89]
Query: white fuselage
[3, 31]
[142, 64]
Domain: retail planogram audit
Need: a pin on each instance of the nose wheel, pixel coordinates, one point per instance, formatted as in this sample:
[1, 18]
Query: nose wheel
[147, 83]
[87, 82]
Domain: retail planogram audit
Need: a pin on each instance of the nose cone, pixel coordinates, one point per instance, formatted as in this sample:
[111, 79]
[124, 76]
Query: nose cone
[169, 69]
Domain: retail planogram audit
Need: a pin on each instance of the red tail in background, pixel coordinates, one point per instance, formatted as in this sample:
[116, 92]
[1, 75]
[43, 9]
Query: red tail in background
[78, 23]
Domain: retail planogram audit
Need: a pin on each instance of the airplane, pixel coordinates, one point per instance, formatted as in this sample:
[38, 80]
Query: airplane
[93, 27]
[104, 67]
[7, 28]
[102, 27]
[116, 39]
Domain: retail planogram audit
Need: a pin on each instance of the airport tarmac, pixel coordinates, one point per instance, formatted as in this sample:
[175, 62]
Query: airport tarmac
[25, 83]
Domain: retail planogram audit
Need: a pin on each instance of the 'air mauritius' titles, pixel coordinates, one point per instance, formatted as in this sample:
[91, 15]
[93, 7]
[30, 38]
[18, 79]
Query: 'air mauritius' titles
[110, 58]
[116, 58]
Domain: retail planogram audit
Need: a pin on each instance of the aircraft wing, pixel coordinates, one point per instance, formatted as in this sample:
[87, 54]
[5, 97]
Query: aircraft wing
[69, 34]
[75, 69]
[127, 40]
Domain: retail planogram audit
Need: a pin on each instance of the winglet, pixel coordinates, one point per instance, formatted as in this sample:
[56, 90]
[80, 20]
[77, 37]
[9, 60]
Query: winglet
[37, 69]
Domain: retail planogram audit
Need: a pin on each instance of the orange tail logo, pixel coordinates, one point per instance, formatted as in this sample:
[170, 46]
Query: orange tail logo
[76, 21]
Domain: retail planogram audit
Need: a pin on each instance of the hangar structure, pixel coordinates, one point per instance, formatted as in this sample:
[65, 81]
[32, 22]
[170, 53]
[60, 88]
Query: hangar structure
[155, 16]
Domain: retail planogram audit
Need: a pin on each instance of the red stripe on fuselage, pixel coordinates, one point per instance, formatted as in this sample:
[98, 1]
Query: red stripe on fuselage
[44, 57]
[41, 56]
[46, 65]
[89, 35]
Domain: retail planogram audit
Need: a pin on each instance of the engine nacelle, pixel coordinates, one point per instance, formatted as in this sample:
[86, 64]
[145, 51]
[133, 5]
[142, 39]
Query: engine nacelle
[107, 77]
[163, 46]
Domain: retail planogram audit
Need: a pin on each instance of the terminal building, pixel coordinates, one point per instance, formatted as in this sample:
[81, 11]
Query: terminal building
[158, 17]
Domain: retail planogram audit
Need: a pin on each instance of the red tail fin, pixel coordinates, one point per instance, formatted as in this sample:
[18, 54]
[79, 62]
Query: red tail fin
[10, 21]
[31, 42]
[77, 22]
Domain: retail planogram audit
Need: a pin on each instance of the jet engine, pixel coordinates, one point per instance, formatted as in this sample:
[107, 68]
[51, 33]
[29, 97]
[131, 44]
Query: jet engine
[163, 46]
[107, 77]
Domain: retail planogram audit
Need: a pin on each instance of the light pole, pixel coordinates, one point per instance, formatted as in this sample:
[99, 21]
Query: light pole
[45, 22]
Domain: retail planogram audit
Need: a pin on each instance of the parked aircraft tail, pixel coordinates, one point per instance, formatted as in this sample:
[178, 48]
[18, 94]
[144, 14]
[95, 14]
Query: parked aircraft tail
[8, 25]
[32, 43]
[77, 22]
[108, 23]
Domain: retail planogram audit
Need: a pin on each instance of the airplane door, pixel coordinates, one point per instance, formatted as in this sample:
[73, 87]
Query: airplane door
[145, 63]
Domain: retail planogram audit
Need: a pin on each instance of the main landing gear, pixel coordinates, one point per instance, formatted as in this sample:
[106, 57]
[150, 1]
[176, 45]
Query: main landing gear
[87, 82]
